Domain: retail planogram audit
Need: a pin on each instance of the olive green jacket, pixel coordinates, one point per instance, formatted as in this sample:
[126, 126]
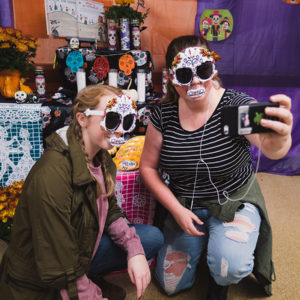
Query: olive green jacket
[55, 225]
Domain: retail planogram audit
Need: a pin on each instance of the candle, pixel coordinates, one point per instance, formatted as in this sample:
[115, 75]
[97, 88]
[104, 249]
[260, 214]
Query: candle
[141, 85]
[80, 79]
[113, 77]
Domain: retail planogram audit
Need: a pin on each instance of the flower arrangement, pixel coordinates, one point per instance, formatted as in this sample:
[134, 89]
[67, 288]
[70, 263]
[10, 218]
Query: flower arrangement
[16, 50]
[9, 197]
[122, 9]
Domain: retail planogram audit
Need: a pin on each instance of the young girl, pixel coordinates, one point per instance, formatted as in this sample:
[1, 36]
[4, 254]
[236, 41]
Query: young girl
[68, 228]
[213, 199]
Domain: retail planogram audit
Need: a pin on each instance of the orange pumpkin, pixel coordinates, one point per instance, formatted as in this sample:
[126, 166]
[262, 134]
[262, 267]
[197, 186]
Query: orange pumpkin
[9, 82]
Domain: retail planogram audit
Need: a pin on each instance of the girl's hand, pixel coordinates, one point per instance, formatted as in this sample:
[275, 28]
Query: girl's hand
[185, 219]
[139, 273]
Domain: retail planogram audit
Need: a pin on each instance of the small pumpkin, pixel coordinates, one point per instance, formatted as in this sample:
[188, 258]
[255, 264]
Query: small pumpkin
[25, 88]
[9, 82]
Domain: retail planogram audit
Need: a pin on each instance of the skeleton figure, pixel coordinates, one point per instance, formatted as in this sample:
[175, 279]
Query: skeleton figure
[74, 43]
[20, 97]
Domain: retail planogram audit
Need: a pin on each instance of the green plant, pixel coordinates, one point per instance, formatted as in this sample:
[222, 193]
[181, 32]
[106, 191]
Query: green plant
[124, 10]
[16, 50]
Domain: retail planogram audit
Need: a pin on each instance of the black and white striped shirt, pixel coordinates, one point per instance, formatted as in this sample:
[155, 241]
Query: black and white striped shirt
[203, 161]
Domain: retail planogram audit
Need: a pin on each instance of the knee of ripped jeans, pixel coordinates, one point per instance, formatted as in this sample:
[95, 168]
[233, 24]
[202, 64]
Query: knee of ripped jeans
[232, 272]
[175, 265]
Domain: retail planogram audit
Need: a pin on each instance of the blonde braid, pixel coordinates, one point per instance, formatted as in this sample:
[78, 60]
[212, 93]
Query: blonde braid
[89, 97]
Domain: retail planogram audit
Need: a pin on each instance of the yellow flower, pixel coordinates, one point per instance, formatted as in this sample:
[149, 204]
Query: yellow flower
[21, 47]
[124, 2]
[2, 197]
[10, 30]
[31, 44]
[5, 45]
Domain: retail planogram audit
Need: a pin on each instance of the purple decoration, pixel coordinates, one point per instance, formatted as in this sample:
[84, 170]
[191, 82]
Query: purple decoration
[261, 58]
[6, 13]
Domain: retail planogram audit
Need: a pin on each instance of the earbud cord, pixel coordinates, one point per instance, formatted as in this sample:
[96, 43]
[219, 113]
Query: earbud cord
[225, 193]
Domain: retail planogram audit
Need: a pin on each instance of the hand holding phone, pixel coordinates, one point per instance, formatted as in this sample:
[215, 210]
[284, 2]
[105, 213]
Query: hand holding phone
[245, 119]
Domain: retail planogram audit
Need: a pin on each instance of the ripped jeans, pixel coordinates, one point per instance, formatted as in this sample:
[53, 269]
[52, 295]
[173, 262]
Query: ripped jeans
[230, 250]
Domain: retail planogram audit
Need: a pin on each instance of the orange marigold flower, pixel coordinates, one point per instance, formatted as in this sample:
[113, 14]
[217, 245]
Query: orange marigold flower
[22, 47]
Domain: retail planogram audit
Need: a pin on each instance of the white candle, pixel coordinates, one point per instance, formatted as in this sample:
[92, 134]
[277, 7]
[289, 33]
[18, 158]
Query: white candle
[113, 77]
[80, 79]
[141, 85]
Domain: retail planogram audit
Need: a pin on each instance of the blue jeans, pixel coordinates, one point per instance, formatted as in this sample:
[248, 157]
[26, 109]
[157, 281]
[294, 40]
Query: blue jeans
[230, 250]
[109, 257]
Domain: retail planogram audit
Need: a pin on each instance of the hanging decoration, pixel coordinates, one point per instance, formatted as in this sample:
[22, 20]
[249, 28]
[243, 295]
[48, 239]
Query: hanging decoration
[126, 64]
[74, 61]
[101, 67]
[216, 25]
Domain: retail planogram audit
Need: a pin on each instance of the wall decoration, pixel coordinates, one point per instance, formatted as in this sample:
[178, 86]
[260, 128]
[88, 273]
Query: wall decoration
[20, 140]
[292, 1]
[78, 18]
[216, 24]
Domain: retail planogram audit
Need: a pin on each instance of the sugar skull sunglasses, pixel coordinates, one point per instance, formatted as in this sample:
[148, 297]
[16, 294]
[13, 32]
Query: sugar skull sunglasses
[204, 72]
[190, 62]
[119, 110]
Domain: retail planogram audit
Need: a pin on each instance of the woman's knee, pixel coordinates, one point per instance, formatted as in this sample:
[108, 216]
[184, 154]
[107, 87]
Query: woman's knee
[173, 270]
[227, 271]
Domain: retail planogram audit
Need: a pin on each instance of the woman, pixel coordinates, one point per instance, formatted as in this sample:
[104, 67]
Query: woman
[213, 199]
[68, 229]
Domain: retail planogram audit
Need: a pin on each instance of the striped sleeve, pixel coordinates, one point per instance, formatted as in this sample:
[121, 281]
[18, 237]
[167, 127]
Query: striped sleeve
[156, 118]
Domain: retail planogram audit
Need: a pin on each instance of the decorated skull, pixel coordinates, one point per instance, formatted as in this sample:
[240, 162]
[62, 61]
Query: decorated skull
[40, 84]
[140, 57]
[20, 97]
[74, 61]
[112, 38]
[126, 64]
[136, 38]
[74, 43]
[46, 116]
[101, 66]
[123, 79]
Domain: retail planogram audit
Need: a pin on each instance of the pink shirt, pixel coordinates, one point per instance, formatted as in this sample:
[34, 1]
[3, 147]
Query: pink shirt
[118, 231]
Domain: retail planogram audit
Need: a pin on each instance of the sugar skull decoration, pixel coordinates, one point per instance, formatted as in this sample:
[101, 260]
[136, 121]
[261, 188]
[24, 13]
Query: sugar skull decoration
[140, 57]
[40, 84]
[74, 61]
[216, 25]
[112, 38]
[120, 110]
[123, 80]
[190, 62]
[20, 97]
[136, 37]
[126, 64]
[101, 67]
[74, 43]
[46, 116]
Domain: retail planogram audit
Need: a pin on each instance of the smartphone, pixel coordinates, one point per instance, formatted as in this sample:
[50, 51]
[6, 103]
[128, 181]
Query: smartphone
[245, 119]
